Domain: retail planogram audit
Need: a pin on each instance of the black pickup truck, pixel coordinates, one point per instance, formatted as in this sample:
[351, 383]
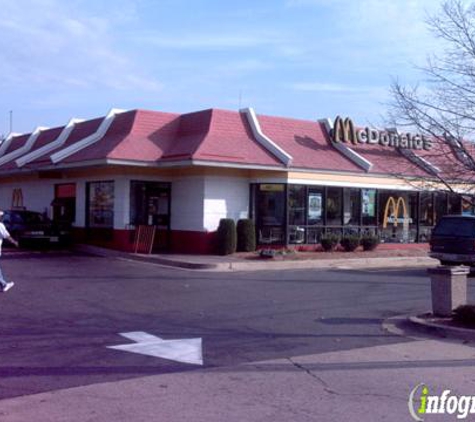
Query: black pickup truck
[453, 240]
[32, 228]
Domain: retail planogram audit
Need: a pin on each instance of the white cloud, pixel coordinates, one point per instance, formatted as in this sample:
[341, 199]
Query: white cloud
[54, 44]
[210, 41]
[325, 87]
[385, 30]
[336, 88]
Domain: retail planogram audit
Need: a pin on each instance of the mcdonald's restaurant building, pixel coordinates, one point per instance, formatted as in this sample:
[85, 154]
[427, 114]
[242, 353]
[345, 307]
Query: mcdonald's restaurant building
[181, 173]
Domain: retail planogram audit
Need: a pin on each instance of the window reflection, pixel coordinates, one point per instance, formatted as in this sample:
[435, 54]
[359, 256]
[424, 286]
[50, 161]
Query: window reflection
[351, 206]
[270, 206]
[334, 206]
[311, 211]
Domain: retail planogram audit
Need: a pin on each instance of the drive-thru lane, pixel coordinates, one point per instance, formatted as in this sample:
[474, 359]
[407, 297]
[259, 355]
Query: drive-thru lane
[58, 324]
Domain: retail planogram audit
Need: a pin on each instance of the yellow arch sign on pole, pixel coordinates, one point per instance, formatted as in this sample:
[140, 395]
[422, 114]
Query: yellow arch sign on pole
[394, 205]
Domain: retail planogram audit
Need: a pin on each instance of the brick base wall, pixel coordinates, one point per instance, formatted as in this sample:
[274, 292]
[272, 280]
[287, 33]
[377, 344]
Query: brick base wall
[185, 242]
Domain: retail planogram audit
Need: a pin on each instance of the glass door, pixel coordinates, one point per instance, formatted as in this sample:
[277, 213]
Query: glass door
[150, 206]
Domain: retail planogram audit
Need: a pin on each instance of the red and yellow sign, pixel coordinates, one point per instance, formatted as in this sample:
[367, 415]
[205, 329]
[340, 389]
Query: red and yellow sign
[391, 211]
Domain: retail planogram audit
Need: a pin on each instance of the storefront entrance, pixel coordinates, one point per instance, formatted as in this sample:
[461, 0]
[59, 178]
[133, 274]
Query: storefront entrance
[64, 203]
[150, 207]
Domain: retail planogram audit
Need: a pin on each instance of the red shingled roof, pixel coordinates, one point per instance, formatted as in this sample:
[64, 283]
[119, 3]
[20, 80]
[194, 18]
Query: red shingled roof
[388, 160]
[214, 136]
[45, 137]
[80, 131]
[229, 139]
[151, 135]
[307, 142]
[17, 142]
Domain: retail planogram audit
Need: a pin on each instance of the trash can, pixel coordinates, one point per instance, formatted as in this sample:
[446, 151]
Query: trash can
[449, 288]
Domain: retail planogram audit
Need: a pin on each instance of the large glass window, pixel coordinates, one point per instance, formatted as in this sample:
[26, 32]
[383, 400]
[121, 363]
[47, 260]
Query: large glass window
[297, 199]
[149, 203]
[440, 199]
[100, 204]
[398, 216]
[455, 204]
[334, 206]
[315, 206]
[270, 205]
[64, 203]
[301, 213]
[426, 215]
[351, 207]
[315, 201]
[413, 209]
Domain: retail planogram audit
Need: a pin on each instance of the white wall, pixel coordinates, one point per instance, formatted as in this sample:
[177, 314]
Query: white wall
[80, 204]
[37, 195]
[197, 202]
[225, 197]
[121, 202]
[187, 203]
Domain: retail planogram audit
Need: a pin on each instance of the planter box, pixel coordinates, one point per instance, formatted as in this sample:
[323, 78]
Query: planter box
[449, 288]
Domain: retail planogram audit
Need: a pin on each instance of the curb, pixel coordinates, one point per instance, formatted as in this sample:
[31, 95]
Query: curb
[340, 263]
[441, 330]
[108, 253]
[172, 263]
[285, 265]
[251, 265]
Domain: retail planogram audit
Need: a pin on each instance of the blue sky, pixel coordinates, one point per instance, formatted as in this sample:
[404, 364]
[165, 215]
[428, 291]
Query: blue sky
[299, 58]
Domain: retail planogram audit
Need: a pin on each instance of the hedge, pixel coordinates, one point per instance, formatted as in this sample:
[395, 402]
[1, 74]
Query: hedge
[226, 236]
[246, 235]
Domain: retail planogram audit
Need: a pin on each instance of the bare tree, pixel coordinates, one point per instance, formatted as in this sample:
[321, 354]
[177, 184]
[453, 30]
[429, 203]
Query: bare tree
[443, 108]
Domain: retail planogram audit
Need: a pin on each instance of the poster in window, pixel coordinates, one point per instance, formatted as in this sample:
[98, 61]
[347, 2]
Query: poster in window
[101, 204]
[368, 205]
[314, 206]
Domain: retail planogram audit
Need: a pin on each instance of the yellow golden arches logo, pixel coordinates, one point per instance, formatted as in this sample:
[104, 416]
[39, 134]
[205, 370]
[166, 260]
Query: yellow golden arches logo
[392, 208]
[17, 198]
[344, 131]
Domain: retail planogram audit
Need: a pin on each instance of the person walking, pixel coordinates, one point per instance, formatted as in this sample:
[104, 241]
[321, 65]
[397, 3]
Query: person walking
[5, 285]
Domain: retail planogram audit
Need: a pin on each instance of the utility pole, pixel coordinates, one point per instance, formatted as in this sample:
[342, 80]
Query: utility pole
[11, 121]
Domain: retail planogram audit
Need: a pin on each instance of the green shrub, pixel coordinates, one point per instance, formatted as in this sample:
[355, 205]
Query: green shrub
[226, 236]
[465, 314]
[329, 241]
[350, 242]
[370, 242]
[246, 235]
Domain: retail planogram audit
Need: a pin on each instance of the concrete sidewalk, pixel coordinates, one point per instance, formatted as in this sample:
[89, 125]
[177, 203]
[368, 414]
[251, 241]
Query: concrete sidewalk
[367, 384]
[408, 258]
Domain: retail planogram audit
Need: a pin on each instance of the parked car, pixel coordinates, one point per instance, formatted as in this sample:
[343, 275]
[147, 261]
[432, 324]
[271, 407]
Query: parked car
[453, 240]
[32, 228]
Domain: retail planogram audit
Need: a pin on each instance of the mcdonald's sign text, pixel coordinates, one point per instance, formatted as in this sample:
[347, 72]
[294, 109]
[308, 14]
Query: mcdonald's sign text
[345, 131]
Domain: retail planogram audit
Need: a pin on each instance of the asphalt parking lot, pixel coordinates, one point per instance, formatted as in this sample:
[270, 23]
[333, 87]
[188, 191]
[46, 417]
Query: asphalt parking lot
[66, 309]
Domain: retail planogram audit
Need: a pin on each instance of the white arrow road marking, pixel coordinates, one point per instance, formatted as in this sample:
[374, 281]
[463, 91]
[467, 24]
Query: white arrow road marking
[186, 351]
